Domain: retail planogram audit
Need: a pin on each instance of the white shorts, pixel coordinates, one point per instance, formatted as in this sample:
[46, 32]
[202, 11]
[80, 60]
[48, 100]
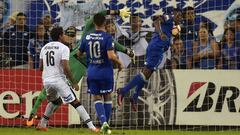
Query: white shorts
[59, 89]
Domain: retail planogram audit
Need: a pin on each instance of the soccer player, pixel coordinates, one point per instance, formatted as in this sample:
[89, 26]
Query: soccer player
[99, 48]
[155, 56]
[54, 59]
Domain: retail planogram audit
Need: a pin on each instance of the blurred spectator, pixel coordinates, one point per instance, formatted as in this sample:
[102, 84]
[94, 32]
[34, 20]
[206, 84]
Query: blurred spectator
[71, 37]
[234, 22]
[177, 54]
[16, 41]
[135, 38]
[189, 26]
[188, 34]
[229, 51]
[11, 21]
[3, 10]
[207, 25]
[35, 45]
[110, 27]
[205, 50]
[47, 22]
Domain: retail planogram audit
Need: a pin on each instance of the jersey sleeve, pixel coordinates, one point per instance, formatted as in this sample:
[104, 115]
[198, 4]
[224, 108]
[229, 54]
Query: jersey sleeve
[65, 53]
[110, 43]
[82, 46]
[41, 54]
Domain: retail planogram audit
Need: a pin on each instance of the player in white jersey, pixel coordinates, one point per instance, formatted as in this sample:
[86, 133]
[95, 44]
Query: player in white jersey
[54, 58]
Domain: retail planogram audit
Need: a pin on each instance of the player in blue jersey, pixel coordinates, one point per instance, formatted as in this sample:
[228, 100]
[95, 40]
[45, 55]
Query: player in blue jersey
[99, 48]
[155, 55]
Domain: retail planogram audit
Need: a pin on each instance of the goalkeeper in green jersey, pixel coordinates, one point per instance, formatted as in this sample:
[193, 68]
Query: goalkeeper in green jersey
[78, 67]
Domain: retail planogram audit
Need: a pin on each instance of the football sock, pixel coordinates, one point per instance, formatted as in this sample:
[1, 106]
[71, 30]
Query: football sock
[138, 79]
[138, 90]
[40, 99]
[85, 116]
[48, 112]
[100, 111]
[108, 109]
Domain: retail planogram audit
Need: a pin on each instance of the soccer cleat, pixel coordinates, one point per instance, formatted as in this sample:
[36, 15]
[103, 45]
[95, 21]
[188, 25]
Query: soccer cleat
[30, 120]
[133, 104]
[95, 130]
[41, 128]
[119, 97]
[105, 129]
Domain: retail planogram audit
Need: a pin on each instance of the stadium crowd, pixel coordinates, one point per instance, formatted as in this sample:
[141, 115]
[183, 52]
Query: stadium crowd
[195, 48]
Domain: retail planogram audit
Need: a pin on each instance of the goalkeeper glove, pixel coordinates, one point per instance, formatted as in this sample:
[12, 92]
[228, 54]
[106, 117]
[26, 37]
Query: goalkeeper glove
[125, 12]
[131, 54]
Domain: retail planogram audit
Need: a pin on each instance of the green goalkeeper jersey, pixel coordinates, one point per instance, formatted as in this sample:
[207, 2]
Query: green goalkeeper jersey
[78, 67]
[89, 27]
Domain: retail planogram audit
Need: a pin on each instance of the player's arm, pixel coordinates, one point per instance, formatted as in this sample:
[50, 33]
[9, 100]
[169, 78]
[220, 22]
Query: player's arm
[41, 65]
[123, 13]
[41, 61]
[112, 56]
[119, 47]
[66, 67]
[81, 50]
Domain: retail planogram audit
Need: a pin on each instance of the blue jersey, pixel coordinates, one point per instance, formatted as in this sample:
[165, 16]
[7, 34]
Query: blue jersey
[230, 56]
[155, 57]
[96, 46]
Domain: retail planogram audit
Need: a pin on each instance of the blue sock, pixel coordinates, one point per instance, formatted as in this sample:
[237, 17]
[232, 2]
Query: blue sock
[134, 82]
[138, 90]
[100, 111]
[108, 109]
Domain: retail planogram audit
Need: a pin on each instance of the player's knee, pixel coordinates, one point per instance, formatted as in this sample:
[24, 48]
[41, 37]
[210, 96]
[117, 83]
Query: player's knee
[146, 73]
[107, 97]
[57, 102]
[97, 97]
[75, 103]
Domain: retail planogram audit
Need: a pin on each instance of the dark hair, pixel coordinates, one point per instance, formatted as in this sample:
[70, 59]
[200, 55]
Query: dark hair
[225, 32]
[21, 14]
[175, 39]
[99, 19]
[208, 26]
[134, 16]
[56, 32]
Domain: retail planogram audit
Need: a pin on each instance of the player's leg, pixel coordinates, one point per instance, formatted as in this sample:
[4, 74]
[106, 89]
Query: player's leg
[40, 99]
[97, 89]
[54, 100]
[108, 106]
[84, 115]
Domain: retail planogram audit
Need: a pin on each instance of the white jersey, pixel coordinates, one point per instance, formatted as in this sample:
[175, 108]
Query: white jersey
[52, 54]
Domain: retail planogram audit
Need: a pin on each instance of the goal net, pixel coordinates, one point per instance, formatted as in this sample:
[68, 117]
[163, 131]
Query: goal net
[198, 87]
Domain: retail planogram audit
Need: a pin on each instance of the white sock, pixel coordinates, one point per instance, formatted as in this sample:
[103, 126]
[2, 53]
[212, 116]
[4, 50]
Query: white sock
[85, 116]
[48, 112]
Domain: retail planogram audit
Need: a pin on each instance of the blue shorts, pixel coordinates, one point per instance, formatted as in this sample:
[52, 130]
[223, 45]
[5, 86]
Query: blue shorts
[100, 86]
[155, 58]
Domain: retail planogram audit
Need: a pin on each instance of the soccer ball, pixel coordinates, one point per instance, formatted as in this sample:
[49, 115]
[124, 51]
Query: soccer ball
[109, 132]
[176, 30]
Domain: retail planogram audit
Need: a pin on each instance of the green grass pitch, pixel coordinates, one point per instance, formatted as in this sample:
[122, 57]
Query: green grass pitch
[81, 131]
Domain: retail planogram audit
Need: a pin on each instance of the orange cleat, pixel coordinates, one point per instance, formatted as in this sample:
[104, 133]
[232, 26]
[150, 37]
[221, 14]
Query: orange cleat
[95, 130]
[40, 128]
[29, 122]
